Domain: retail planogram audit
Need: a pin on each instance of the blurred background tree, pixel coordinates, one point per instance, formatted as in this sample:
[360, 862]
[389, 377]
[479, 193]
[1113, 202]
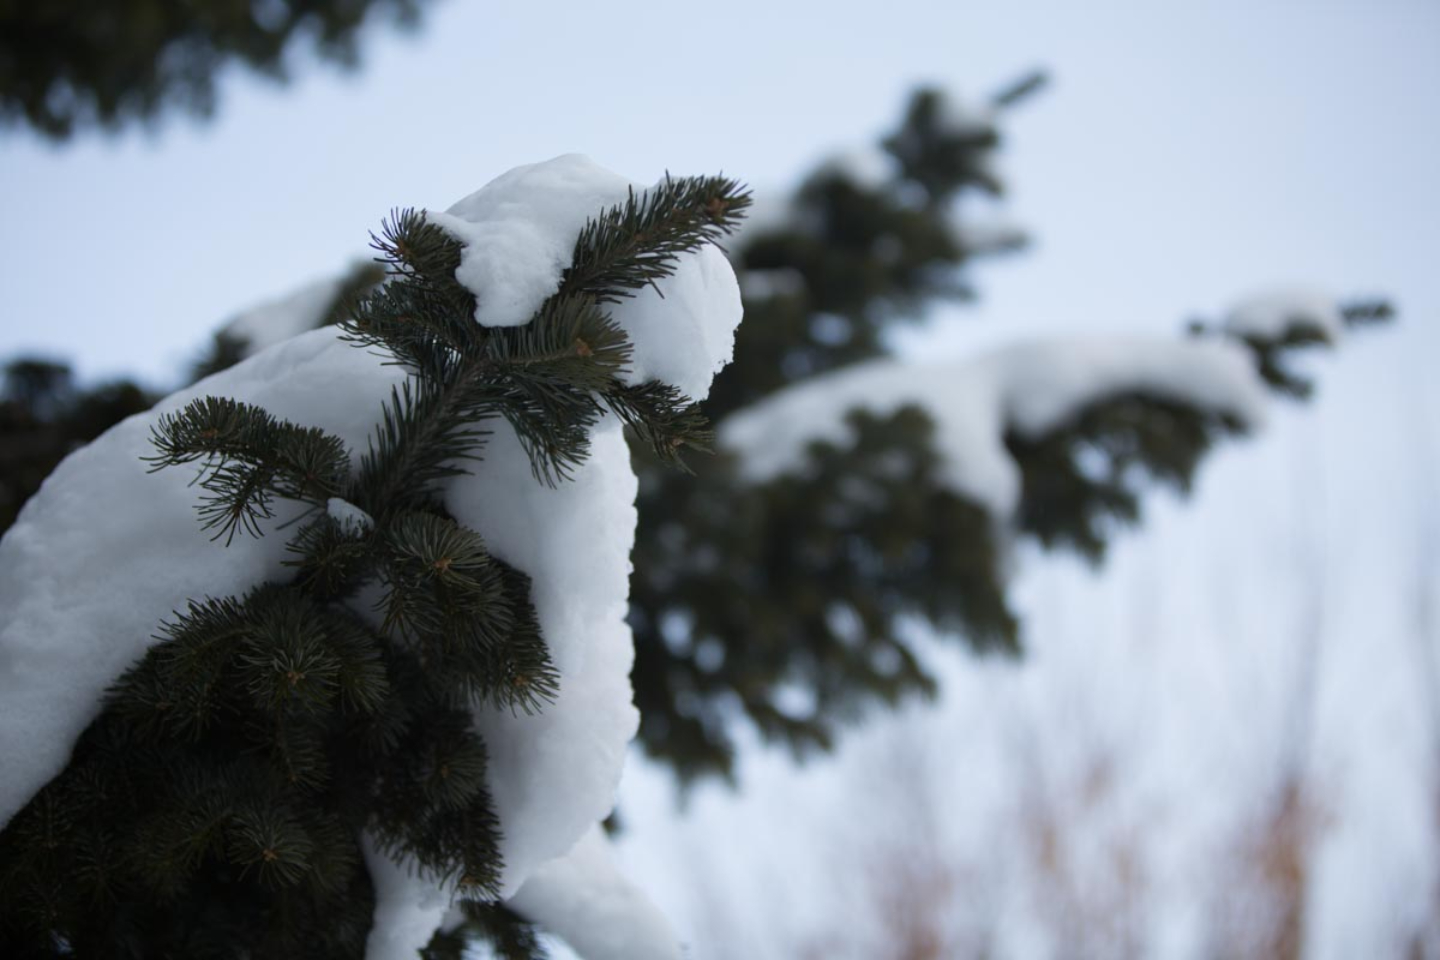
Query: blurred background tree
[71, 64]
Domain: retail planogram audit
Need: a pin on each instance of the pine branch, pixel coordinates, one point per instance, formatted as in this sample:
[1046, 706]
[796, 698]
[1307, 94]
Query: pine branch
[470, 614]
[235, 766]
[272, 844]
[663, 418]
[570, 341]
[527, 678]
[330, 560]
[284, 662]
[442, 583]
[632, 245]
[1365, 312]
[1020, 90]
[542, 377]
[1084, 478]
[248, 458]
[424, 328]
[361, 676]
[413, 248]
[173, 691]
[449, 829]
[298, 751]
[454, 768]
[426, 428]
[509, 935]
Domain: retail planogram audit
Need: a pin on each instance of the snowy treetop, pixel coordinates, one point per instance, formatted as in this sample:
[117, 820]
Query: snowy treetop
[519, 233]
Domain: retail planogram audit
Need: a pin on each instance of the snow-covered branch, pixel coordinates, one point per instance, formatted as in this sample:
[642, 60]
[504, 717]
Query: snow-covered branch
[108, 549]
[975, 403]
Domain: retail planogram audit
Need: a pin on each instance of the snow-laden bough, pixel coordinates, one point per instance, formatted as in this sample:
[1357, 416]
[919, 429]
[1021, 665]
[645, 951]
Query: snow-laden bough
[1027, 388]
[106, 551]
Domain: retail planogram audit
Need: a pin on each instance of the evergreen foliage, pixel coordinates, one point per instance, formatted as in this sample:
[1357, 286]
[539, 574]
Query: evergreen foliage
[1272, 353]
[215, 808]
[1084, 480]
[66, 64]
[509, 935]
[44, 414]
[783, 602]
[745, 595]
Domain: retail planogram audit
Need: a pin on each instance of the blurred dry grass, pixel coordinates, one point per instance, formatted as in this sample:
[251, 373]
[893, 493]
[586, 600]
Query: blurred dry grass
[1260, 914]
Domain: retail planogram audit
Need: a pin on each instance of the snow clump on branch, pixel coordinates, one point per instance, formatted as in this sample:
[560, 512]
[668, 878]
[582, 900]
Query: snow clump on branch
[1027, 388]
[129, 538]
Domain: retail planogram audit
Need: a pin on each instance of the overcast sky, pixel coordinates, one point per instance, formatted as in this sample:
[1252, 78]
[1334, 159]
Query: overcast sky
[1185, 153]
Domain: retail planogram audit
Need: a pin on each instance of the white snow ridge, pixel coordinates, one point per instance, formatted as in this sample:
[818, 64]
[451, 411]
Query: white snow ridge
[1272, 313]
[1030, 388]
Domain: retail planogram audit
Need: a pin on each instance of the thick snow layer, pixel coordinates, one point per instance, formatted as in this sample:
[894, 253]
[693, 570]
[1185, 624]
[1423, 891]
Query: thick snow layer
[585, 900]
[350, 517]
[1270, 314]
[519, 234]
[407, 913]
[686, 338]
[1029, 388]
[105, 551]
[279, 320]
[554, 773]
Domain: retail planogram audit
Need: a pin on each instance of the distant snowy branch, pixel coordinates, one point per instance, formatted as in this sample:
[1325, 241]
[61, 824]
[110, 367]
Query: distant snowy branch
[1028, 389]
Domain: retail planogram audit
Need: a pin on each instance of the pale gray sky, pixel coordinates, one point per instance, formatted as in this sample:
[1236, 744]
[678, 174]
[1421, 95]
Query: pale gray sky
[1185, 152]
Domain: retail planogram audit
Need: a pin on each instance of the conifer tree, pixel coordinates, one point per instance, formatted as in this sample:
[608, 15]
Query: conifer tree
[729, 604]
[745, 593]
[217, 804]
[69, 64]
[751, 585]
